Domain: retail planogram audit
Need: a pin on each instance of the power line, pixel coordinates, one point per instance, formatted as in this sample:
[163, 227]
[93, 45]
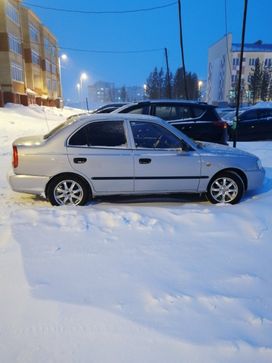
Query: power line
[96, 12]
[112, 51]
[96, 50]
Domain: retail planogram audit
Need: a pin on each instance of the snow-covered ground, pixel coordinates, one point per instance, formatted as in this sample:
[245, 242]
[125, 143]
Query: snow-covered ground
[132, 280]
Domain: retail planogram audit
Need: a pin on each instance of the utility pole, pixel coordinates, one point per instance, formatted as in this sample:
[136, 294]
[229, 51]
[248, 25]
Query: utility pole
[168, 84]
[236, 123]
[182, 51]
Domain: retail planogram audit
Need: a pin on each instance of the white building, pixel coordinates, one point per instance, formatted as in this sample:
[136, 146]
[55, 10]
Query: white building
[223, 68]
[102, 92]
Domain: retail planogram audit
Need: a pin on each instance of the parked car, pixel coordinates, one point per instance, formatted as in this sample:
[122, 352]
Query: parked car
[95, 155]
[197, 120]
[254, 124]
[109, 107]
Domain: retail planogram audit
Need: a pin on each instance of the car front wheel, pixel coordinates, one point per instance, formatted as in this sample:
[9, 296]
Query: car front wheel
[68, 190]
[226, 187]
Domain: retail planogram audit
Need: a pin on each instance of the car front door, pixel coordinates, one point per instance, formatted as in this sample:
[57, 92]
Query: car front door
[162, 161]
[100, 152]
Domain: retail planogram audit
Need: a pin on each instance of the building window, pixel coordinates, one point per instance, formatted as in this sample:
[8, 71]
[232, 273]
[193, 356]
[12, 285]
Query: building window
[54, 69]
[14, 44]
[235, 62]
[47, 66]
[48, 84]
[50, 48]
[13, 13]
[35, 57]
[252, 61]
[234, 78]
[34, 33]
[16, 72]
[268, 62]
[54, 85]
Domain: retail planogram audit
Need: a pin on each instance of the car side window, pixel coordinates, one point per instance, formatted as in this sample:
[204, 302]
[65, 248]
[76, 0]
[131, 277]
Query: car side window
[152, 136]
[172, 112]
[100, 134]
[198, 111]
[263, 113]
[166, 112]
[139, 110]
[249, 115]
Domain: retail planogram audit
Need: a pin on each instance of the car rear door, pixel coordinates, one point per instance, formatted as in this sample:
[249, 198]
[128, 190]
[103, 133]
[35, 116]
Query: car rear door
[100, 151]
[162, 161]
[248, 125]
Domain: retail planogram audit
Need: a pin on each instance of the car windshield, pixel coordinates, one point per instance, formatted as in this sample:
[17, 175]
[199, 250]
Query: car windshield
[56, 129]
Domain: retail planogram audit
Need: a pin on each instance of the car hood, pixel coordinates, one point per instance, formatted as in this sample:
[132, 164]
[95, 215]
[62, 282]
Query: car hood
[29, 140]
[217, 149]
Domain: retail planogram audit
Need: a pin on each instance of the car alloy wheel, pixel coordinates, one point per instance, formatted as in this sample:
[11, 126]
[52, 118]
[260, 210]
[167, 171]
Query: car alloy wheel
[227, 187]
[68, 191]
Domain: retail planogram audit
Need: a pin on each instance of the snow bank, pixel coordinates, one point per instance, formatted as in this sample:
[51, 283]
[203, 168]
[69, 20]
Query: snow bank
[132, 280]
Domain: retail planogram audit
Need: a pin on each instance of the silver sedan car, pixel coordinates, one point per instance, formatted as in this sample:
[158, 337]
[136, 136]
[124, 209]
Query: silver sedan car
[114, 154]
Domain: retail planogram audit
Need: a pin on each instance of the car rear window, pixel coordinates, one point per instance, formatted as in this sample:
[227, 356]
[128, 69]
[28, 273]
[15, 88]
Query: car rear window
[54, 131]
[198, 111]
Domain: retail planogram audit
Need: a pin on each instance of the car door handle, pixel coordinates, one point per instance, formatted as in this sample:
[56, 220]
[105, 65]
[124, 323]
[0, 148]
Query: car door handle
[144, 161]
[80, 160]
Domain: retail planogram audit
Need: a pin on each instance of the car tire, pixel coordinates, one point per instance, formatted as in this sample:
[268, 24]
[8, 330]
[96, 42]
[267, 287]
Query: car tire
[68, 190]
[226, 187]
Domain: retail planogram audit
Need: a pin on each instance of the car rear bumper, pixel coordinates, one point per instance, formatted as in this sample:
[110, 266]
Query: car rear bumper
[31, 184]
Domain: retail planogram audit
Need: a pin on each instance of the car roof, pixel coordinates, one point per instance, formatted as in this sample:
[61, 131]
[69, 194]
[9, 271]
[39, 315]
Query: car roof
[170, 101]
[116, 117]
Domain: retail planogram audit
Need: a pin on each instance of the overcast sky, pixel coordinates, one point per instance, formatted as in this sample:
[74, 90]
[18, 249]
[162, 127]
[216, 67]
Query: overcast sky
[203, 24]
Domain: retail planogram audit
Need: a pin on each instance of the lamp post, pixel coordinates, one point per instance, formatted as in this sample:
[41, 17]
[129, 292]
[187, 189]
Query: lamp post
[83, 77]
[200, 84]
[145, 89]
[78, 92]
[63, 57]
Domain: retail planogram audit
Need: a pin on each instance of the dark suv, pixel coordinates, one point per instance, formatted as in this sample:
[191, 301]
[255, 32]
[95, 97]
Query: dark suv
[198, 120]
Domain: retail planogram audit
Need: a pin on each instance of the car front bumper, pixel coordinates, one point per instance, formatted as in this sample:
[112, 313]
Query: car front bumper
[255, 178]
[31, 184]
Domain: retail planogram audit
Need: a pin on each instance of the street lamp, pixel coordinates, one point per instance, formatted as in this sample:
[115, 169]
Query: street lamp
[83, 77]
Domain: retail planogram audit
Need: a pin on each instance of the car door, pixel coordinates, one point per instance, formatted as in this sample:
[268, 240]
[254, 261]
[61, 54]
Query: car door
[99, 151]
[248, 125]
[263, 130]
[162, 161]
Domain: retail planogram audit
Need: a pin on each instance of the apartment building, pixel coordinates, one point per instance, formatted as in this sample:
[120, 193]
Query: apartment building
[102, 92]
[29, 62]
[223, 68]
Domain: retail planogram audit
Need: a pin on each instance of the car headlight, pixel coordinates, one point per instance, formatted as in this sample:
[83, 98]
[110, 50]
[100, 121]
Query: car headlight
[259, 164]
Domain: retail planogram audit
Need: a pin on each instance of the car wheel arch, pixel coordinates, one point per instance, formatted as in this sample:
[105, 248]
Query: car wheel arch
[241, 174]
[67, 175]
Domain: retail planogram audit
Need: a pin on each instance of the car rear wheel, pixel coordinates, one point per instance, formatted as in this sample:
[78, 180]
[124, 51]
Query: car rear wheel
[68, 190]
[226, 187]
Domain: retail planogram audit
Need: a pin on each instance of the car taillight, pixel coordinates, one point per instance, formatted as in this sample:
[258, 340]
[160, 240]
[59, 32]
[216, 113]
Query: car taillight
[221, 124]
[15, 159]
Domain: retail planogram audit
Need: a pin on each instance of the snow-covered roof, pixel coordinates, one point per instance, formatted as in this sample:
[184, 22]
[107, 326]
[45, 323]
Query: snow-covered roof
[256, 47]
